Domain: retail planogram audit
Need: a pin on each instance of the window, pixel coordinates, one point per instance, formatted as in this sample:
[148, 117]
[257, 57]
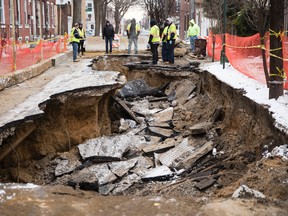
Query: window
[43, 14]
[2, 16]
[52, 15]
[25, 13]
[89, 7]
[18, 14]
[48, 15]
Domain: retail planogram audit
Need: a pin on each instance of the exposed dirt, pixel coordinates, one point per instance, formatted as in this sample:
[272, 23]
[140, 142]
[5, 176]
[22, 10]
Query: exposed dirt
[244, 131]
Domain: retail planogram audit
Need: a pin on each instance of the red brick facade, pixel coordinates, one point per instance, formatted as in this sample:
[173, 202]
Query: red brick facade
[184, 17]
[27, 19]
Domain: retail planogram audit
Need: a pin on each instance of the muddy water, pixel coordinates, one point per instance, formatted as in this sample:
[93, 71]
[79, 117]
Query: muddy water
[244, 128]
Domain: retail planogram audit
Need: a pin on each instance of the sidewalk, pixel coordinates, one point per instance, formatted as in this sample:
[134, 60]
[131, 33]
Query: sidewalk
[94, 44]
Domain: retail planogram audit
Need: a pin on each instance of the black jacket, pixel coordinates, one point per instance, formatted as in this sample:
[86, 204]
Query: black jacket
[108, 31]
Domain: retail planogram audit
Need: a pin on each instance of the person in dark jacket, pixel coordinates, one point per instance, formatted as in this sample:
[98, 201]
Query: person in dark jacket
[108, 34]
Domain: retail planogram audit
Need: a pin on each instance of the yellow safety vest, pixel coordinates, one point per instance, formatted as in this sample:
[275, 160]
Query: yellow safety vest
[72, 37]
[172, 29]
[81, 32]
[165, 31]
[137, 27]
[155, 32]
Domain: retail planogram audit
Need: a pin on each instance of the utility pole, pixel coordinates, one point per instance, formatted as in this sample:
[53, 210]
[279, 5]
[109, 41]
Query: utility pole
[13, 33]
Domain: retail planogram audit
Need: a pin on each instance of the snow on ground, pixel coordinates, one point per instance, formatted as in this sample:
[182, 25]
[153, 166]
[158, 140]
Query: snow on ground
[254, 90]
[259, 93]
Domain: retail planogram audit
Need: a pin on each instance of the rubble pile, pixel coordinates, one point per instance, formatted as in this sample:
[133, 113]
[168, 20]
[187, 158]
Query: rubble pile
[147, 146]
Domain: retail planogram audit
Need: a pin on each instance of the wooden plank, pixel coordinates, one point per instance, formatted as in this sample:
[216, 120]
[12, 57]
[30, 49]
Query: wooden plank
[127, 109]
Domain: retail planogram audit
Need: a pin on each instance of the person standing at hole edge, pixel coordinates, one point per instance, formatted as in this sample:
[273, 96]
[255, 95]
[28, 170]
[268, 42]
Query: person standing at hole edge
[75, 40]
[154, 40]
[82, 40]
[193, 33]
[108, 34]
[164, 42]
[133, 31]
[171, 37]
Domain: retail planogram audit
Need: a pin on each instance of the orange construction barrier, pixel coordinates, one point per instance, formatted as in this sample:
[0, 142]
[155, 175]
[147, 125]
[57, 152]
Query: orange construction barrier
[28, 54]
[245, 54]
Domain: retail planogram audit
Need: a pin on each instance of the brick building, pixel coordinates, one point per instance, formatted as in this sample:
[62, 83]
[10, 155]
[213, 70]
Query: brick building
[27, 19]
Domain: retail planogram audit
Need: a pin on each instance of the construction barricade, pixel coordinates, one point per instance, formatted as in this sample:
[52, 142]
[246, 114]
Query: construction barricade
[116, 41]
[245, 54]
[27, 54]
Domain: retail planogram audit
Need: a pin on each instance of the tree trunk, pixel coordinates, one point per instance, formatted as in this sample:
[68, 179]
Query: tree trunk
[96, 18]
[77, 11]
[276, 61]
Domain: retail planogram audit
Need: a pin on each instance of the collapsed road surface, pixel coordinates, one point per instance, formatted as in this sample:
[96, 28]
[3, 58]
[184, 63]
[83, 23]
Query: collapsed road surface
[126, 138]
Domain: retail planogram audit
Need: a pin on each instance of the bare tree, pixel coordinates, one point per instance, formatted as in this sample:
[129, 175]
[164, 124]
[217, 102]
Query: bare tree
[214, 9]
[257, 13]
[120, 8]
[100, 10]
[159, 9]
[77, 11]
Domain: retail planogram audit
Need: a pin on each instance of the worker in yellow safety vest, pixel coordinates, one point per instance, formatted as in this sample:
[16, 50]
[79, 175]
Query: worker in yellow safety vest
[171, 37]
[81, 47]
[164, 42]
[154, 40]
[75, 40]
[193, 33]
[133, 31]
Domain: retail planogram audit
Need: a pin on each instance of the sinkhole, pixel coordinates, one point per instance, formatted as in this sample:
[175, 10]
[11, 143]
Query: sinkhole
[167, 129]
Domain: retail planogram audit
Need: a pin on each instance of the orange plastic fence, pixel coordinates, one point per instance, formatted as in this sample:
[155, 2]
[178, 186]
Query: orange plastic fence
[29, 54]
[244, 54]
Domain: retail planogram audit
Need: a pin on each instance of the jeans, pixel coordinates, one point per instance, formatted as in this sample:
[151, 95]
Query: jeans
[75, 50]
[108, 39]
[192, 42]
[135, 41]
[170, 51]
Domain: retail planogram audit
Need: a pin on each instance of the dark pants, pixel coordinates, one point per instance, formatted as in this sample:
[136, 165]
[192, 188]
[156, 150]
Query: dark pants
[164, 51]
[81, 47]
[154, 50]
[108, 39]
[170, 51]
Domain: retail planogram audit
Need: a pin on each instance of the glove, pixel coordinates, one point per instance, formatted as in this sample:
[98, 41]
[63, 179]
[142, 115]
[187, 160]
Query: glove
[170, 42]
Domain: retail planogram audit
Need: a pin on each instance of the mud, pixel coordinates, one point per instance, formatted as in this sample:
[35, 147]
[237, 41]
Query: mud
[245, 131]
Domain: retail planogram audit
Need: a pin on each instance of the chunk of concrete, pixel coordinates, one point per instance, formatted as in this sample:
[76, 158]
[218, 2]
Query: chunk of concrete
[158, 147]
[201, 128]
[122, 167]
[66, 166]
[244, 192]
[84, 179]
[106, 189]
[109, 148]
[162, 132]
[126, 183]
[172, 157]
[162, 116]
[102, 173]
[159, 173]
[197, 154]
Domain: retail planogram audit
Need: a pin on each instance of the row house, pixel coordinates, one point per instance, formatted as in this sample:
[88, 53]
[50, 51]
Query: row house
[27, 19]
